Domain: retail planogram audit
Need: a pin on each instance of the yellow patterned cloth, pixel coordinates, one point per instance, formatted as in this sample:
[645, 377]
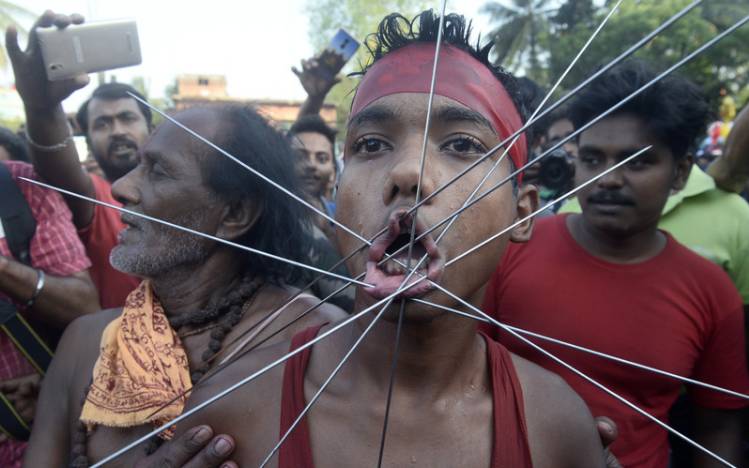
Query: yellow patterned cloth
[141, 367]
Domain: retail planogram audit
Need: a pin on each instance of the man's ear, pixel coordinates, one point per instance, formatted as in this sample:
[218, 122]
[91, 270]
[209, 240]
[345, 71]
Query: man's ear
[682, 171]
[237, 218]
[527, 203]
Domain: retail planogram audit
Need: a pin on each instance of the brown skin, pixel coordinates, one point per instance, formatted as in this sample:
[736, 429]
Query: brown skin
[628, 233]
[442, 409]
[47, 124]
[167, 182]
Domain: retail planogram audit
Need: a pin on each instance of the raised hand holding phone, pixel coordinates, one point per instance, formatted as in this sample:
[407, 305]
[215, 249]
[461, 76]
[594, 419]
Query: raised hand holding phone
[37, 92]
[320, 73]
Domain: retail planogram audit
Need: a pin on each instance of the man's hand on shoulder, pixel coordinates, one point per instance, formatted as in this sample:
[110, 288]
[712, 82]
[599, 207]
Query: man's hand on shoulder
[37, 92]
[197, 447]
[608, 431]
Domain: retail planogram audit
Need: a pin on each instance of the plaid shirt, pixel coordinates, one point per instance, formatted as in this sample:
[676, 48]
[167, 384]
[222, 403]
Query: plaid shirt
[55, 249]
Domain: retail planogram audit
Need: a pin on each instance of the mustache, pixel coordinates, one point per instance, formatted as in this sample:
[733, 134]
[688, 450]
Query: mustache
[121, 140]
[607, 197]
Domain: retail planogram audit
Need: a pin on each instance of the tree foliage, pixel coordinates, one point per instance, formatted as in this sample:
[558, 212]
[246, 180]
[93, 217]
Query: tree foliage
[520, 32]
[571, 24]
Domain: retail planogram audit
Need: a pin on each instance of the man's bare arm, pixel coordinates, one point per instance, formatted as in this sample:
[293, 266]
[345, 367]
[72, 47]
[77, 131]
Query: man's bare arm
[720, 432]
[49, 444]
[731, 171]
[61, 300]
[45, 119]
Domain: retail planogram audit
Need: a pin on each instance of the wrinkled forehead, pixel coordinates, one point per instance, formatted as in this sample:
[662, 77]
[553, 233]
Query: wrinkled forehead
[169, 140]
[403, 108]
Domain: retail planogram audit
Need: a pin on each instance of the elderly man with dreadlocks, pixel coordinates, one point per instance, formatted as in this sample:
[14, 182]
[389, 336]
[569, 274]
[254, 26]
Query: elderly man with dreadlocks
[120, 372]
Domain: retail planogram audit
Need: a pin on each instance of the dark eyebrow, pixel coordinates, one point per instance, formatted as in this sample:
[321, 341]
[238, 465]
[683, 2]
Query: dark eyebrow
[590, 150]
[125, 113]
[372, 114]
[461, 114]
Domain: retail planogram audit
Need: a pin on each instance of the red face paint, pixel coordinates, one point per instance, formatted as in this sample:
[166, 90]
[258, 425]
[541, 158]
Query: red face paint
[459, 77]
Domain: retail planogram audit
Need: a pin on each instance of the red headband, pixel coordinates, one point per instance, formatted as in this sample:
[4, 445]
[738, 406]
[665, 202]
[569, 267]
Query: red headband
[459, 77]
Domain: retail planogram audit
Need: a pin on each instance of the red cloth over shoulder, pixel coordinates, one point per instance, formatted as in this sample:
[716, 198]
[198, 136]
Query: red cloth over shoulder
[99, 238]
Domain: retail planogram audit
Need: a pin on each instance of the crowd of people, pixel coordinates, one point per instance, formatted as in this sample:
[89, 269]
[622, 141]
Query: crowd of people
[116, 322]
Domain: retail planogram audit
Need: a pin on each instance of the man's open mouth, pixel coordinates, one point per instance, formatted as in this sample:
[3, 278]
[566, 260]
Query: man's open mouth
[123, 149]
[388, 275]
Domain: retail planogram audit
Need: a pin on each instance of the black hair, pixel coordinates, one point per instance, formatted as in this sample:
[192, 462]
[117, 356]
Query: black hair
[674, 109]
[15, 145]
[315, 124]
[284, 224]
[532, 95]
[111, 92]
[396, 31]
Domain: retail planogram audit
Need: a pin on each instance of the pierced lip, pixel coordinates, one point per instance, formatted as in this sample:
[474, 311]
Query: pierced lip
[385, 283]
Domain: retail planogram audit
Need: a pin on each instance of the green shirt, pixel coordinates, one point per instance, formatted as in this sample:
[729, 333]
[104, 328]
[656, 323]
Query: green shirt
[708, 220]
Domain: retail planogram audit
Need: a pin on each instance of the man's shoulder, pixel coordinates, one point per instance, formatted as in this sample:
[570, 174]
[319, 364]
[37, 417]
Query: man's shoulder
[90, 327]
[686, 263]
[547, 238]
[560, 426]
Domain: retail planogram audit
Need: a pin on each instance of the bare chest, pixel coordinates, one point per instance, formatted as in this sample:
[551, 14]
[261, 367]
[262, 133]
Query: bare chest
[420, 433]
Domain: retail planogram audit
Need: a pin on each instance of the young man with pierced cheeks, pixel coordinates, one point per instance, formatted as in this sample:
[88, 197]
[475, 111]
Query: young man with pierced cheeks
[608, 279]
[459, 399]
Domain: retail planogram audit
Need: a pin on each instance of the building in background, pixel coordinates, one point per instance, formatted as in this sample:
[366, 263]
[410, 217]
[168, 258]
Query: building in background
[198, 90]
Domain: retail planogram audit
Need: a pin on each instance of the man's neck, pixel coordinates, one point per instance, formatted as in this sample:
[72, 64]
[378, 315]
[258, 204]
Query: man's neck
[632, 248]
[192, 287]
[435, 358]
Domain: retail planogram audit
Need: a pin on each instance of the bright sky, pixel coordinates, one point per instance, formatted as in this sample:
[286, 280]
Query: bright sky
[254, 44]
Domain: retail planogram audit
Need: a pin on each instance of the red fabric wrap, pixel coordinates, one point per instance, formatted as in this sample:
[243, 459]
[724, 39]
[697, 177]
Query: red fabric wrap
[460, 77]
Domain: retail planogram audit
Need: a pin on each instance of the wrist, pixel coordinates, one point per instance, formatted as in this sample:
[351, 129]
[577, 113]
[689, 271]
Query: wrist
[44, 112]
[37, 289]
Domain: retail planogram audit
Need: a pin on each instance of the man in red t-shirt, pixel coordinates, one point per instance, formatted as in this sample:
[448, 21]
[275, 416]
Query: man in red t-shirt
[611, 281]
[115, 125]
